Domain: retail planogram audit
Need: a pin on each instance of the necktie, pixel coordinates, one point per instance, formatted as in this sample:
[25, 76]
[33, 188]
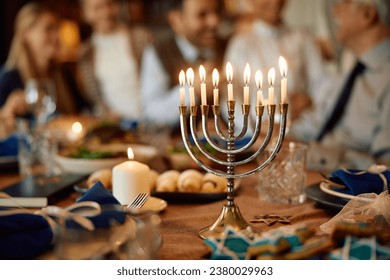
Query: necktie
[339, 109]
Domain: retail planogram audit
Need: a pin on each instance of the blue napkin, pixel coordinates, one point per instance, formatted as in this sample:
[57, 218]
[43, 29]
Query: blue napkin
[359, 181]
[9, 146]
[24, 236]
[98, 193]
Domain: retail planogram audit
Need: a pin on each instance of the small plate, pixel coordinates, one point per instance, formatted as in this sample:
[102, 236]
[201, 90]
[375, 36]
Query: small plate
[153, 204]
[326, 200]
[327, 188]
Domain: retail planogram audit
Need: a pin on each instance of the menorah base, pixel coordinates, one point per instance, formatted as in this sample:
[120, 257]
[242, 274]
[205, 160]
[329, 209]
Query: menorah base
[230, 215]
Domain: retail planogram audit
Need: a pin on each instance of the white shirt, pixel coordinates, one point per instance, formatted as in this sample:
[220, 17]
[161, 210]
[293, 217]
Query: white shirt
[261, 47]
[160, 101]
[116, 72]
[365, 125]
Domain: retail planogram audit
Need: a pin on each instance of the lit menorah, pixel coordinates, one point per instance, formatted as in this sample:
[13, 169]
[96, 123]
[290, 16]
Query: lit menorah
[230, 213]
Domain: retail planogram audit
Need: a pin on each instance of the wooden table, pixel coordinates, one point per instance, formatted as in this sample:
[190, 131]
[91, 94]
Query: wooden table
[180, 223]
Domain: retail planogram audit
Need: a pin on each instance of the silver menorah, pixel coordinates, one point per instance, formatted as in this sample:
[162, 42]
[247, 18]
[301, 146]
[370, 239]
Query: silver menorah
[230, 213]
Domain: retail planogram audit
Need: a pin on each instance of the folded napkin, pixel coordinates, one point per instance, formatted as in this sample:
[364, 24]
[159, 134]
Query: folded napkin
[98, 193]
[9, 146]
[373, 180]
[24, 236]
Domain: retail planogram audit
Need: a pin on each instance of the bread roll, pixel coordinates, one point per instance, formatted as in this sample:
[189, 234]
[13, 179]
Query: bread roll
[102, 175]
[213, 184]
[167, 181]
[190, 181]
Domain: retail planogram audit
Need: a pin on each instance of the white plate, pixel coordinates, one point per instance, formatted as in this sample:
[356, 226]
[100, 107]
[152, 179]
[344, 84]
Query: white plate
[325, 187]
[154, 204]
[142, 153]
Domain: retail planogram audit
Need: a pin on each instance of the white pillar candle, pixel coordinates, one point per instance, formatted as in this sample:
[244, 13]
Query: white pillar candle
[271, 82]
[129, 179]
[283, 72]
[215, 84]
[202, 76]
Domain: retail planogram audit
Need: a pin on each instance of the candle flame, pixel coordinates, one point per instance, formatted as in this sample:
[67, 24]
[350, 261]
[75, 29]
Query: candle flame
[202, 73]
[283, 66]
[229, 72]
[130, 153]
[271, 77]
[247, 74]
[215, 78]
[182, 78]
[259, 79]
[77, 127]
[190, 76]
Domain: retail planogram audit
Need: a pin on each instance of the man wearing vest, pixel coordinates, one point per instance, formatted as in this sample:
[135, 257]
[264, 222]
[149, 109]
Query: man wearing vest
[351, 126]
[195, 41]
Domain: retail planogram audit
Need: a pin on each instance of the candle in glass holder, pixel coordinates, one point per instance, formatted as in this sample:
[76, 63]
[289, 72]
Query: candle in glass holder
[190, 80]
[259, 84]
[283, 72]
[271, 82]
[76, 132]
[202, 76]
[130, 178]
[182, 80]
[247, 76]
[215, 84]
[229, 78]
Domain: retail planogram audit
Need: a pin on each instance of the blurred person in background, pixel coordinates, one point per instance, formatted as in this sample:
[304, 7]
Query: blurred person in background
[267, 39]
[196, 41]
[32, 55]
[351, 126]
[109, 62]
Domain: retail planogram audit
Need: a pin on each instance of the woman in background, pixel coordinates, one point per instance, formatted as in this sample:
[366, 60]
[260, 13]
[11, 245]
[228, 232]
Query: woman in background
[32, 57]
[108, 65]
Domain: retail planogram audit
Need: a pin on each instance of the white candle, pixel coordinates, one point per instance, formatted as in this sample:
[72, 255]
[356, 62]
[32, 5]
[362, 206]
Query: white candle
[283, 72]
[182, 80]
[129, 179]
[190, 80]
[202, 76]
[229, 78]
[259, 84]
[215, 84]
[271, 82]
[247, 76]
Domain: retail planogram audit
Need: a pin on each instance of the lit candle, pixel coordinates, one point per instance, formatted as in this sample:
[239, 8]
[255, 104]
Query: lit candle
[75, 132]
[129, 179]
[247, 77]
[271, 82]
[182, 80]
[259, 84]
[190, 80]
[229, 77]
[283, 72]
[202, 75]
[215, 84]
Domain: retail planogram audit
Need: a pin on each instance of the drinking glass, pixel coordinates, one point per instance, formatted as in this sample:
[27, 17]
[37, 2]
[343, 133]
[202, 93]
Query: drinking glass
[41, 98]
[284, 179]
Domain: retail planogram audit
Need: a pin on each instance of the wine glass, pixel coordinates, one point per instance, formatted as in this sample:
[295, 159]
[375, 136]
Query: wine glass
[41, 98]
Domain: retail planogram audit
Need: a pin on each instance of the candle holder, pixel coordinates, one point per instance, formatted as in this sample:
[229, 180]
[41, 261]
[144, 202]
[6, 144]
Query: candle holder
[230, 213]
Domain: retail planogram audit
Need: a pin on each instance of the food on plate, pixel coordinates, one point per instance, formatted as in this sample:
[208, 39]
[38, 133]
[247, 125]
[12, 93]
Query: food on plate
[190, 181]
[105, 133]
[167, 181]
[102, 175]
[213, 184]
[82, 152]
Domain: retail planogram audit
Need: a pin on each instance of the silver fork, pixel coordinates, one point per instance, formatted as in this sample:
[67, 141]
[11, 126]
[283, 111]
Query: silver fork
[138, 202]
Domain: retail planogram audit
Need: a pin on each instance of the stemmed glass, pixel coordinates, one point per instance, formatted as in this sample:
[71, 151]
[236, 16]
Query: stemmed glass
[41, 98]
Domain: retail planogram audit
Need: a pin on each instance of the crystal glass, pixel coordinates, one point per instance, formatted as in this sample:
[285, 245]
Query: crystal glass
[41, 98]
[284, 179]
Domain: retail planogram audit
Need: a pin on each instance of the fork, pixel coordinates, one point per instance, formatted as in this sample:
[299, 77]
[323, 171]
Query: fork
[138, 202]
